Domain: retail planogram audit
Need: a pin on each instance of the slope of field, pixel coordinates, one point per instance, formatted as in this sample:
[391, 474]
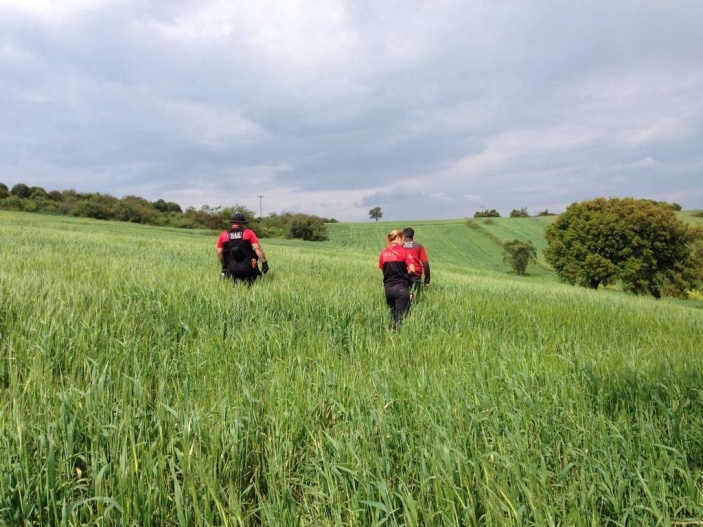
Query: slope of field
[137, 388]
[471, 244]
[691, 216]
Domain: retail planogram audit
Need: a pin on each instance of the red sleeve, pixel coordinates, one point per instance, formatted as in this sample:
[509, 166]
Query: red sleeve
[409, 259]
[222, 239]
[423, 254]
[250, 235]
[380, 260]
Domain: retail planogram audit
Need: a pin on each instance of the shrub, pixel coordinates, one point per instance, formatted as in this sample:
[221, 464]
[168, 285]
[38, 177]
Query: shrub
[12, 203]
[38, 193]
[20, 190]
[46, 206]
[55, 195]
[518, 254]
[306, 227]
[493, 213]
[90, 209]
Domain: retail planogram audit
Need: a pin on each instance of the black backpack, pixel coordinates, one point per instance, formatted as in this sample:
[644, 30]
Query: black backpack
[237, 250]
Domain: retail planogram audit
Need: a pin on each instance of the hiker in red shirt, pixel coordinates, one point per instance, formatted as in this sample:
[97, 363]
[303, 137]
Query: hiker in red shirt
[422, 265]
[396, 262]
[239, 251]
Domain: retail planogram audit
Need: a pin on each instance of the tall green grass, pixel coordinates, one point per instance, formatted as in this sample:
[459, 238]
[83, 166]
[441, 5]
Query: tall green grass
[137, 388]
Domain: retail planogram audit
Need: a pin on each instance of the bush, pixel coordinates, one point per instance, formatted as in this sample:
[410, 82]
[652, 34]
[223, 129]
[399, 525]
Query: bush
[12, 203]
[46, 206]
[38, 193]
[200, 219]
[20, 190]
[493, 213]
[90, 209]
[185, 221]
[518, 254]
[55, 195]
[166, 206]
[305, 227]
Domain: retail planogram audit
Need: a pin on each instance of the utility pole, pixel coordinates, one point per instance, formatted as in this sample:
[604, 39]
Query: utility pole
[261, 214]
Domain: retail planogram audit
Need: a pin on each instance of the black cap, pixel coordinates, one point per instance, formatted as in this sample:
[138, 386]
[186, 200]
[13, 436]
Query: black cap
[238, 218]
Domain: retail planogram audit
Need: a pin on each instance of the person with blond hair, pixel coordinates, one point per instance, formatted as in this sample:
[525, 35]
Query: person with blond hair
[397, 264]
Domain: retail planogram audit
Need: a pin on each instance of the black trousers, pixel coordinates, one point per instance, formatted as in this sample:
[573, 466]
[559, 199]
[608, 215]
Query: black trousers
[250, 278]
[247, 272]
[398, 300]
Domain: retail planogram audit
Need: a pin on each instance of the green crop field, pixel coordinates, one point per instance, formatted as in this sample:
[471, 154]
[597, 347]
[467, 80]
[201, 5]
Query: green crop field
[137, 388]
[473, 245]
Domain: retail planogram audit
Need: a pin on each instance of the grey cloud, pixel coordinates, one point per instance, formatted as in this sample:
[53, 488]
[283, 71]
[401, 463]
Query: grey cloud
[410, 104]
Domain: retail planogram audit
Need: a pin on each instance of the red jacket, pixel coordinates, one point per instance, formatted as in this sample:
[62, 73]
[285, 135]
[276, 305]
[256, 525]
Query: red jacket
[394, 261]
[422, 265]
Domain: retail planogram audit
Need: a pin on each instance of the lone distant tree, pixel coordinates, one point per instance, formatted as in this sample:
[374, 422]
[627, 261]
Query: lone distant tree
[375, 213]
[517, 254]
[637, 241]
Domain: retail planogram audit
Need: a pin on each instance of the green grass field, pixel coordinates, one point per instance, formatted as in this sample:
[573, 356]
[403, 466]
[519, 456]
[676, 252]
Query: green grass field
[137, 388]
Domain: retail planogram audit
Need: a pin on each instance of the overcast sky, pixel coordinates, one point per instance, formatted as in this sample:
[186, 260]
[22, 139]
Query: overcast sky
[428, 109]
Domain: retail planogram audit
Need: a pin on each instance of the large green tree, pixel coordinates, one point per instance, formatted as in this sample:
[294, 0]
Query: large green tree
[636, 241]
[376, 213]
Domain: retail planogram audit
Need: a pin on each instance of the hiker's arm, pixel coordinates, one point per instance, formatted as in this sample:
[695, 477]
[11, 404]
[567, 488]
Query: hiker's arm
[259, 251]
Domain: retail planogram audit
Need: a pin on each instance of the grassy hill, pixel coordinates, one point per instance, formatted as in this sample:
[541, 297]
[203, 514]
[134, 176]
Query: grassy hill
[474, 245]
[470, 244]
[138, 388]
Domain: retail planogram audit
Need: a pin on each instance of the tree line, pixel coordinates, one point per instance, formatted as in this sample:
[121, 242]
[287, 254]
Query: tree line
[637, 243]
[135, 209]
